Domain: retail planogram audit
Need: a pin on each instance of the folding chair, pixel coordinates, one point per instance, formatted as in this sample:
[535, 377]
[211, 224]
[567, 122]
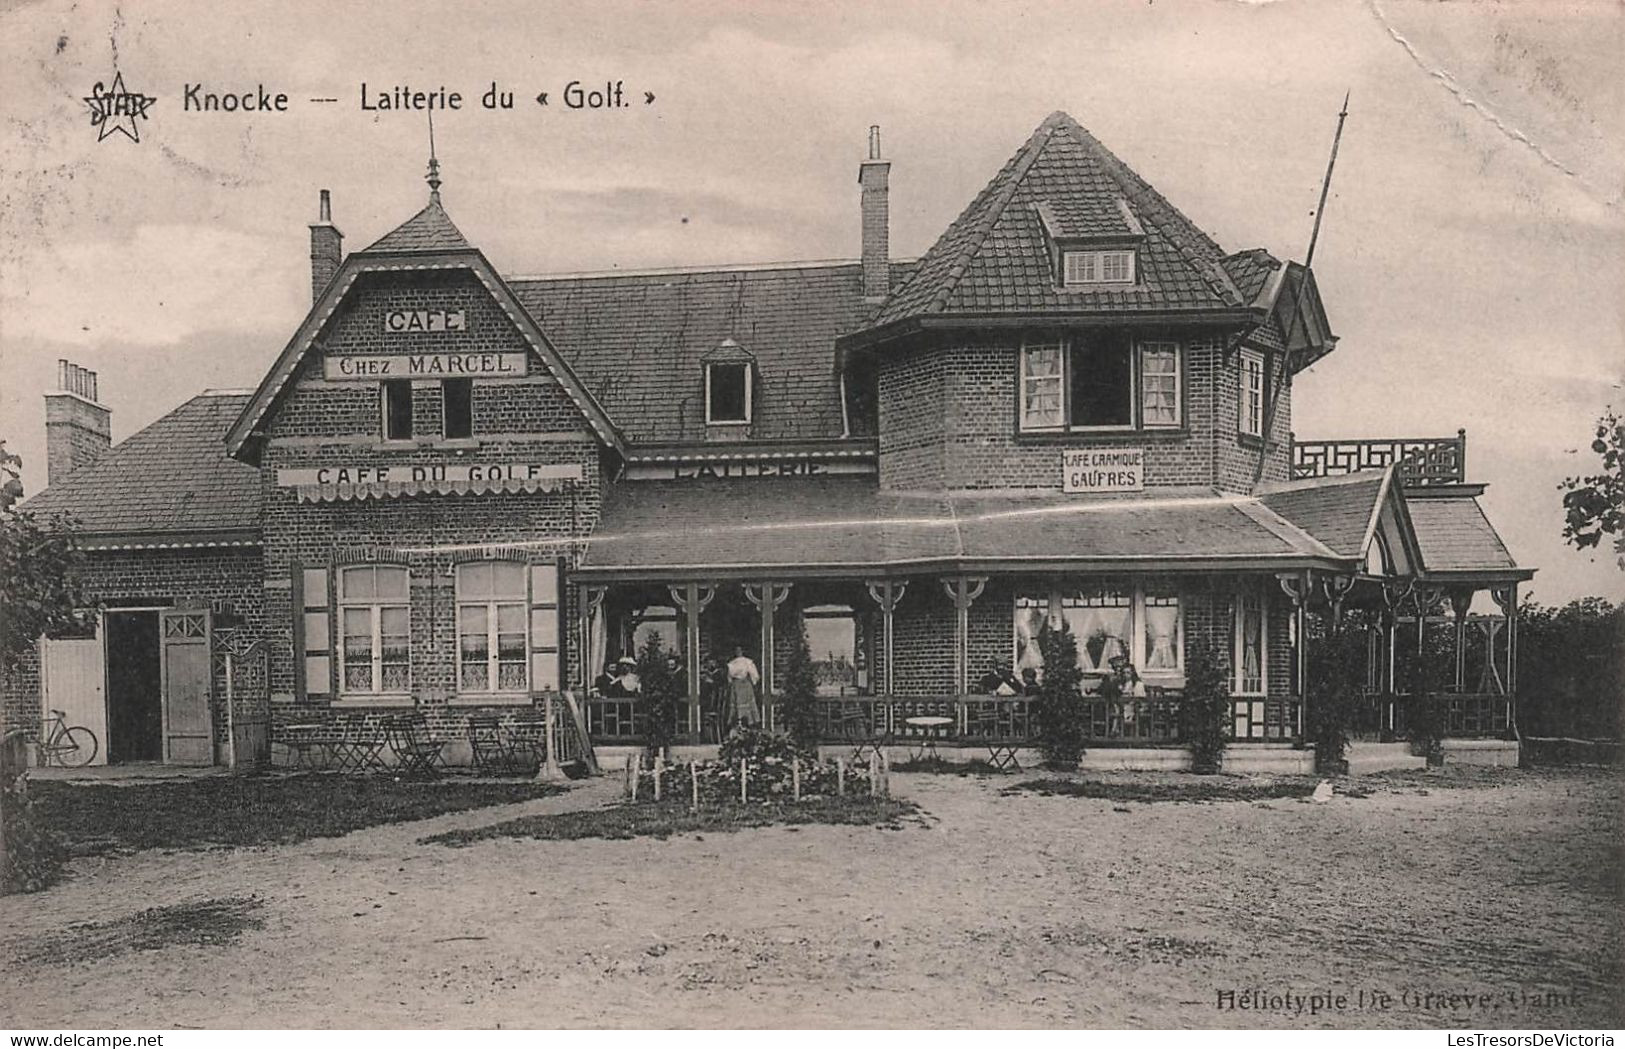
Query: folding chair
[493, 753]
[856, 724]
[415, 753]
[993, 724]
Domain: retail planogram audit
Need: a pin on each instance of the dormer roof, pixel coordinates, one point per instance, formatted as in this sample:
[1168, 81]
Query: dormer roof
[995, 258]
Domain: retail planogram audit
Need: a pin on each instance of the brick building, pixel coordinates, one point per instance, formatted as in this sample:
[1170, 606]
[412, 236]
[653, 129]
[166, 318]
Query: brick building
[457, 492]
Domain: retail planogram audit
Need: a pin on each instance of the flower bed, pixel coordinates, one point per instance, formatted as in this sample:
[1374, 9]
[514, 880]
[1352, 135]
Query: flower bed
[754, 764]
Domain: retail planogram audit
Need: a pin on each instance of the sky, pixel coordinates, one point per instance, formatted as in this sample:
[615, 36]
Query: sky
[1472, 257]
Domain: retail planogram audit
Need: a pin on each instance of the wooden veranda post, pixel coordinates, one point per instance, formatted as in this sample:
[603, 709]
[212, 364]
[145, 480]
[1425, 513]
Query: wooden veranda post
[1506, 598]
[886, 593]
[1297, 590]
[962, 591]
[1461, 602]
[766, 598]
[690, 600]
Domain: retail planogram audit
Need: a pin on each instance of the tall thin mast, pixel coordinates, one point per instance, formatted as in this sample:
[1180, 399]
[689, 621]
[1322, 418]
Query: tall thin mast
[1297, 304]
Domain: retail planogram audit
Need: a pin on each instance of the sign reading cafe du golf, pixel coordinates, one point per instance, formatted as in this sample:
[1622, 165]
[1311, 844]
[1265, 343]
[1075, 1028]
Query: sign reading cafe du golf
[1103, 470]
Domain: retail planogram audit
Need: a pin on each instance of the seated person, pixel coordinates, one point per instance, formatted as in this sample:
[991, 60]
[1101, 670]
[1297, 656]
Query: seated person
[631, 684]
[1000, 681]
[1029, 682]
[609, 682]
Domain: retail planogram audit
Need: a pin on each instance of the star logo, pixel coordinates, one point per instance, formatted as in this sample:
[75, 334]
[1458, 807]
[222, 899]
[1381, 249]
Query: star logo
[115, 109]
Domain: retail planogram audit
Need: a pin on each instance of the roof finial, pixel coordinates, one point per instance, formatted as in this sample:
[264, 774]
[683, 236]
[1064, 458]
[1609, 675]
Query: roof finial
[434, 164]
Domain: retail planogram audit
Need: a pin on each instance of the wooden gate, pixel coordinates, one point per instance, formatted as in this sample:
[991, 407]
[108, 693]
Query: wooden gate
[74, 674]
[188, 726]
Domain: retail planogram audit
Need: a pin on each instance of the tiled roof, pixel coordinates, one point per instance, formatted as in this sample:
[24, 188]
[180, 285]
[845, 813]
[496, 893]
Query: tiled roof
[1250, 270]
[429, 230]
[172, 477]
[850, 522]
[1456, 536]
[637, 342]
[994, 258]
[1335, 510]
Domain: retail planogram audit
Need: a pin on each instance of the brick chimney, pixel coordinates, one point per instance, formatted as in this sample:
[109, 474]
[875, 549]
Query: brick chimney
[326, 249]
[78, 429]
[873, 175]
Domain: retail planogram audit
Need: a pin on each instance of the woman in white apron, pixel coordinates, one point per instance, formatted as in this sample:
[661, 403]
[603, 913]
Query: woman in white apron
[743, 677]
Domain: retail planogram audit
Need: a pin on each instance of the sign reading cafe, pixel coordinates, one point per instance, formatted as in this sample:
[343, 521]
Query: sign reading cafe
[1103, 470]
[401, 322]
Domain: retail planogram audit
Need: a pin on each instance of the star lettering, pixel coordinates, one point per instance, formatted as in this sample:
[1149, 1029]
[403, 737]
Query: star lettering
[117, 109]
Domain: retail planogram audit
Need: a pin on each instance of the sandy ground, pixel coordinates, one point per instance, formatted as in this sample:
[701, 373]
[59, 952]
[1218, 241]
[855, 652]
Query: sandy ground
[993, 911]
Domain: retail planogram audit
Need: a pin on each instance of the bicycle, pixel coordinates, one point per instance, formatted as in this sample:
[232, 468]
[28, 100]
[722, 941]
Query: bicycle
[71, 748]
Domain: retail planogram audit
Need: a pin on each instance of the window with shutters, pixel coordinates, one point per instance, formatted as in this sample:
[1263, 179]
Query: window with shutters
[316, 627]
[492, 637]
[546, 629]
[1101, 380]
[374, 630]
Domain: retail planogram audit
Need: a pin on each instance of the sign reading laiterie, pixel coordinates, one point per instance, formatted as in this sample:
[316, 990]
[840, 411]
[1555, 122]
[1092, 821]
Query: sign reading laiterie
[426, 366]
[747, 470]
[1103, 470]
[428, 473]
[403, 322]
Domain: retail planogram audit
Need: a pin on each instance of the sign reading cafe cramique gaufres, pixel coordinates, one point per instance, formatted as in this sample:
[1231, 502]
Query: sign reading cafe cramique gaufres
[1103, 470]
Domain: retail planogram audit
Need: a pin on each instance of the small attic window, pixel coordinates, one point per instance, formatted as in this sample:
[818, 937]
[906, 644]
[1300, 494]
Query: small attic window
[727, 393]
[1097, 267]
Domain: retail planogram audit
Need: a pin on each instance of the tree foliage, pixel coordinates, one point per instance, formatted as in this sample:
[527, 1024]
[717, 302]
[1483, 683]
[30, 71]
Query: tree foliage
[1060, 711]
[1594, 506]
[1571, 669]
[38, 559]
[661, 693]
[798, 692]
[1204, 711]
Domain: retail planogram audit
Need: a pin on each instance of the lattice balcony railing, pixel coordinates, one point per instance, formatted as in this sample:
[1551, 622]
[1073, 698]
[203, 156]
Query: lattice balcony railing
[1422, 460]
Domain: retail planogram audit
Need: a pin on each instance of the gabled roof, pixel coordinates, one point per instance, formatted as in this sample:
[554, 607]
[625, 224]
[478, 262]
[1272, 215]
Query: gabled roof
[429, 230]
[378, 259]
[171, 482]
[1456, 537]
[1339, 510]
[638, 342]
[994, 258]
[1251, 271]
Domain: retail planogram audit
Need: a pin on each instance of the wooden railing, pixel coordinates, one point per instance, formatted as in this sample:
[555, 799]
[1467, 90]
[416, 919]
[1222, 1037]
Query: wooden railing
[1475, 714]
[1462, 715]
[1132, 720]
[1422, 460]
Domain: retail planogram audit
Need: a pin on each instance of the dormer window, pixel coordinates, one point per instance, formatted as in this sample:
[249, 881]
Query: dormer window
[1081, 268]
[730, 385]
[728, 393]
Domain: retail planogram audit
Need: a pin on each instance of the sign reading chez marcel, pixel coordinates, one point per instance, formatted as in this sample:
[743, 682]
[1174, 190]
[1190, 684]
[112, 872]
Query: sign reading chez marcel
[1103, 470]
[329, 483]
[374, 366]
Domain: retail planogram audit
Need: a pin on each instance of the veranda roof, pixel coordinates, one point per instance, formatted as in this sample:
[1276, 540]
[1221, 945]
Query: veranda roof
[849, 526]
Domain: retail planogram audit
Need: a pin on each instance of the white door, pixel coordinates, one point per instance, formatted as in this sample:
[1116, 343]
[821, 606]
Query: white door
[188, 728]
[73, 677]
